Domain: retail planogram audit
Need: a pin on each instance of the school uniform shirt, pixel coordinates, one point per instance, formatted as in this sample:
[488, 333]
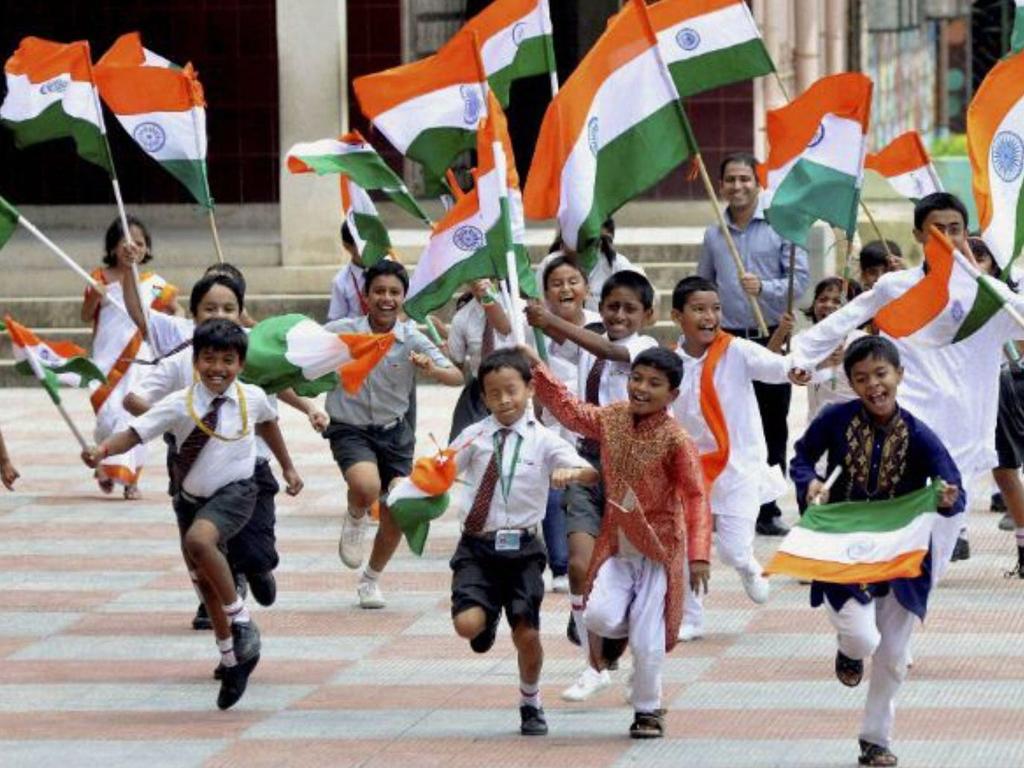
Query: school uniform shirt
[466, 335]
[747, 481]
[615, 376]
[598, 275]
[220, 462]
[346, 291]
[540, 452]
[384, 397]
[954, 389]
[168, 332]
[564, 361]
[178, 372]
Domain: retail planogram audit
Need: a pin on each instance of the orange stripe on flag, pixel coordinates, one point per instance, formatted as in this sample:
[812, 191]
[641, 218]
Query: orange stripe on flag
[139, 90]
[41, 60]
[926, 299]
[905, 566]
[668, 13]
[498, 15]
[20, 335]
[903, 154]
[366, 350]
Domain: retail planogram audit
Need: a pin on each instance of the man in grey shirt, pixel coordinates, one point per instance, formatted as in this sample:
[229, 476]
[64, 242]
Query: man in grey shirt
[765, 257]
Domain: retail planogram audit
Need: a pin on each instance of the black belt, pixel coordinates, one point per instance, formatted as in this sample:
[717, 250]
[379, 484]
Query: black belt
[749, 333]
[526, 533]
[383, 427]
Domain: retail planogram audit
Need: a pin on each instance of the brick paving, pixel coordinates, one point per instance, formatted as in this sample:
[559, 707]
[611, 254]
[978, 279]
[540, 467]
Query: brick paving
[98, 665]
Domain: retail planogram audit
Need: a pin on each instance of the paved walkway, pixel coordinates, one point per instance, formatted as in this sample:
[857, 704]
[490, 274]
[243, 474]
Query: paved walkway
[98, 665]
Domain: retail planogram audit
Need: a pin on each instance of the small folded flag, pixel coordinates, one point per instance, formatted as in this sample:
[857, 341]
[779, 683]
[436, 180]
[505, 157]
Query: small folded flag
[948, 304]
[995, 145]
[364, 223]
[50, 95]
[161, 106]
[53, 363]
[9, 216]
[860, 542]
[906, 166]
[429, 109]
[293, 351]
[354, 157]
[816, 162]
[423, 496]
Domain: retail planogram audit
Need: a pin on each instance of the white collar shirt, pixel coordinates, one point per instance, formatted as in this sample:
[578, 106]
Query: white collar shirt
[346, 290]
[615, 376]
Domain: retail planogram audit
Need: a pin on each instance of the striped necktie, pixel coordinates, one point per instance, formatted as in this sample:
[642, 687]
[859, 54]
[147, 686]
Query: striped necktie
[485, 492]
[193, 444]
[591, 395]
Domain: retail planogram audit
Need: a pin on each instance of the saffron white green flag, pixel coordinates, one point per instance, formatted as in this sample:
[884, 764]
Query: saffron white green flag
[294, 351]
[364, 223]
[161, 106]
[53, 363]
[815, 163]
[51, 95]
[423, 496]
[905, 164]
[709, 43]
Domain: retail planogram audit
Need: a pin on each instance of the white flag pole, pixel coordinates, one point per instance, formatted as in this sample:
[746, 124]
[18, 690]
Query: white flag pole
[96, 286]
[37, 370]
[516, 301]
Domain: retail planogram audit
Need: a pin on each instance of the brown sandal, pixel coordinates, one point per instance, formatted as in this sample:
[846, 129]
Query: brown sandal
[648, 725]
[849, 671]
[875, 755]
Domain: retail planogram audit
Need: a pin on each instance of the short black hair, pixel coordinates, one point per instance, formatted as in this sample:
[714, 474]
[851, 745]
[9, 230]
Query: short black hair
[979, 246]
[689, 286]
[219, 335]
[386, 267]
[873, 254]
[633, 281]
[346, 235]
[664, 360]
[223, 268]
[938, 201]
[505, 358]
[853, 290]
[744, 158]
[870, 346]
[207, 281]
[114, 236]
[561, 261]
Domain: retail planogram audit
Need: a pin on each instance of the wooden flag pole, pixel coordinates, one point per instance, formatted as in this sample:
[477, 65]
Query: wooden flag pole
[216, 237]
[71, 426]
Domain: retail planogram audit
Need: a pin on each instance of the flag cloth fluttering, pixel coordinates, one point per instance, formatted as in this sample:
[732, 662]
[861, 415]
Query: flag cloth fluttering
[995, 144]
[516, 41]
[53, 363]
[423, 496]
[429, 109]
[364, 223]
[860, 542]
[469, 242]
[294, 351]
[948, 304]
[51, 95]
[161, 106]
[815, 163]
[614, 130]
[905, 164]
[709, 43]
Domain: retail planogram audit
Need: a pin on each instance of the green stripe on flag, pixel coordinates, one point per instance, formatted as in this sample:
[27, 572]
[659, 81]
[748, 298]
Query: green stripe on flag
[82, 367]
[986, 303]
[722, 67]
[372, 230]
[532, 58]
[1017, 39]
[8, 221]
[54, 123]
[191, 173]
[871, 516]
[436, 148]
[809, 192]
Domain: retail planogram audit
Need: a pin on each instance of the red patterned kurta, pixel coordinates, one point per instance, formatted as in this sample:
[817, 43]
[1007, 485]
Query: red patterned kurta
[658, 461]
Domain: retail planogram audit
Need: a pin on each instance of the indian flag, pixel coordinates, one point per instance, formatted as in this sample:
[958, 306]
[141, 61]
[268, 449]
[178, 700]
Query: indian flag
[995, 144]
[161, 106]
[1017, 39]
[353, 156]
[50, 95]
[429, 109]
[905, 164]
[9, 216]
[709, 43]
[52, 363]
[860, 542]
[948, 304]
[515, 40]
[293, 351]
[470, 241]
[614, 130]
[364, 223]
[816, 162]
[423, 496]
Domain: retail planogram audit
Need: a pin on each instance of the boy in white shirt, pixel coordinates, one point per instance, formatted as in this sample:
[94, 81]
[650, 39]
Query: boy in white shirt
[215, 422]
[347, 299]
[718, 374]
[506, 463]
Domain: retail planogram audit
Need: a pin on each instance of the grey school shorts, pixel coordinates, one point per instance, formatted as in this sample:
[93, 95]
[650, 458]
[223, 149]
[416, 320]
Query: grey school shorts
[229, 509]
[584, 505]
[390, 448]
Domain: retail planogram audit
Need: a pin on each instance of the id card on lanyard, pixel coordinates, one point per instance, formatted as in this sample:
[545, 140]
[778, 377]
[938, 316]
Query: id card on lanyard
[507, 539]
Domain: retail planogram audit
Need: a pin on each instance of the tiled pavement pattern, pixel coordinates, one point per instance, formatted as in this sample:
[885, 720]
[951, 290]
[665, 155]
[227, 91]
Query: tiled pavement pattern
[98, 665]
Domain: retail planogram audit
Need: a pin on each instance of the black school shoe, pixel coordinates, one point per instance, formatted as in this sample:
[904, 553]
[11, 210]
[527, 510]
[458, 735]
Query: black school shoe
[532, 722]
[771, 527]
[201, 620]
[962, 550]
[234, 681]
[571, 633]
[263, 587]
[483, 642]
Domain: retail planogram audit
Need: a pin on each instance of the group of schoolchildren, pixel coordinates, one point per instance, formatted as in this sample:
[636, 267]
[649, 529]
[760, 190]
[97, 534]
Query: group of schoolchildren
[615, 459]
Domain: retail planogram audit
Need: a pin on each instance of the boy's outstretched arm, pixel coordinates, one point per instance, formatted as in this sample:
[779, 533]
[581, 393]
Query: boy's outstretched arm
[271, 434]
[119, 442]
[539, 317]
[317, 418]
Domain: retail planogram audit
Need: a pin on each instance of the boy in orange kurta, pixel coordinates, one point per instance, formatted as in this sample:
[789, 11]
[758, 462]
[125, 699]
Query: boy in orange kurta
[656, 515]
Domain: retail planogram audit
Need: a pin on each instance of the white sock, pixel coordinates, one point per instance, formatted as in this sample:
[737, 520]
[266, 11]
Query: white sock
[237, 612]
[529, 694]
[227, 652]
[577, 602]
[369, 575]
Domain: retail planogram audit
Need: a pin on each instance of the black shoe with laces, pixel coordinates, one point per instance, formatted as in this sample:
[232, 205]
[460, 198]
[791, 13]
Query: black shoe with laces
[772, 527]
[263, 587]
[201, 620]
[532, 722]
[234, 681]
[483, 642]
[570, 631]
[998, 503]
[962, 550]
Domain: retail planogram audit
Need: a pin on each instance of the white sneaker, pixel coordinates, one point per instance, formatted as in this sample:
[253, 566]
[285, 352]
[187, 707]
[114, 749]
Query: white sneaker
[587, 684]
[757, 586]
[560, 584]
[690, 632]
[370, 595]
[350, 545]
